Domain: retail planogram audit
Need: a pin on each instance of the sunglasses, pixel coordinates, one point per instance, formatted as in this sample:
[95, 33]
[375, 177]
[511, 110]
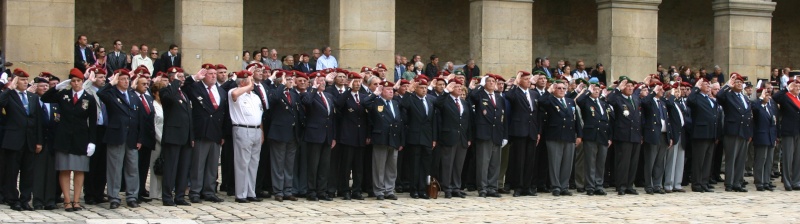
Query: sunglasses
[156, 53]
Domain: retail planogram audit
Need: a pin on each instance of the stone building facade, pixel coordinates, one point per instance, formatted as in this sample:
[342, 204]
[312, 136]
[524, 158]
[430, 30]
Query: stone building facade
[628, 36]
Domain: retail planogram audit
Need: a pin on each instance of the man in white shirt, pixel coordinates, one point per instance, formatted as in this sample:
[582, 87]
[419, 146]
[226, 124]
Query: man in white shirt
[248, 135]
[580, 71]
[327, 60]
[142, 59]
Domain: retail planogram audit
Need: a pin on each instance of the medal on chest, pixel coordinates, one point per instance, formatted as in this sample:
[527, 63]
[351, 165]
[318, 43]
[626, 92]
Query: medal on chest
[625, 111]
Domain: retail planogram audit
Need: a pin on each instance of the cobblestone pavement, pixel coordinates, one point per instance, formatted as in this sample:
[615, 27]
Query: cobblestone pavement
[717, 207]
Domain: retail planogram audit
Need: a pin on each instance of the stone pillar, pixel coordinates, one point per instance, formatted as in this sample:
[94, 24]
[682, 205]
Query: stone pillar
[743, 36]
[362, 33]
[627, 37]
[209, 31]
[500, 35]
[39, 35]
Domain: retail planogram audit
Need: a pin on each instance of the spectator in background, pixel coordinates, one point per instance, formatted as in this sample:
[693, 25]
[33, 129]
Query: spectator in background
[580, 71]
[143, 59]
[256, 58]
[448, 66]
[471, 70]
[327, 60]
[774, 76]
[264, 54]
[432, 68]
[100, 55]
[83, 54]
[600, 73]
[303, 65]
[418, 68]
[316, 54]
[272, 60]
[409, 73]
[157, 63]
[117, 59]
[717, 73]
[399, 67]
[245, 59]
[785, 77]
[288, 63]
[129, 58]
[171, 58]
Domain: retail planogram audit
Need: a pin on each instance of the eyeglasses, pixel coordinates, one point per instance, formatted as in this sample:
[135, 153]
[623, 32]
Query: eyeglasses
[156, 53]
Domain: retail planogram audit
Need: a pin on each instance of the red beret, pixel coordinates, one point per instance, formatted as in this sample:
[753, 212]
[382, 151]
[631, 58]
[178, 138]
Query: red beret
[256, 64]
[737, 76]
[221, 66]
[442, 79]
[208, 66]
[339, 70]
[102, 71]
[20, 73]
[328, 70]
[443, 73]
[666, 87]
[310, 75]
[303, 75]
[686, 84]
[243, 74]
[456, 81]
[655, 83]
[174, 69]
[404, 82]
[354, 75]
[387, 84]
[524, 73]
[75, 73]
[140, 71]
[422, 82]
[121, 71]
[675, 85]
[381, 65]
[422, 77]
[366, 69]
[791, 81]
[45, 74]
[161, 74]
[265, 67]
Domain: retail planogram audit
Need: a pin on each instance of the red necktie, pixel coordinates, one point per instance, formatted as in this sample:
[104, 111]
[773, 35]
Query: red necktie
[74, 98]
[288, 97]
[491, 96]
[146, 106]
[341, 91]
[211, 97]
[324, 101]
[358, 101]
[458, 104]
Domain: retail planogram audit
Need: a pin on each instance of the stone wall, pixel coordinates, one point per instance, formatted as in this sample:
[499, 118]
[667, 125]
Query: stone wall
[565, 30]
[150, 22]
[786, 34]
[289, 26]
[428, 27]
[686, 33]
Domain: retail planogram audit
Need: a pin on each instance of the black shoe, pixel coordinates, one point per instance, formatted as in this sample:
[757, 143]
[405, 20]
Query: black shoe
[620, 192]
[278, 198]
[133, 204]
[414, 195]
[400, 189]
[590, 192]
[556, 193]
[423, 195]
[517, 193]
[26, 207]
[529, 192]
[379, 197]
[581, 190]
[143, 199]
[566, 193]
[739, 189]
[312, 198]
[16, 207]
[482, 194]
[263, 194]
[242, 200]
[145, 194]
[346, 196]
[290, 198]
[503, 191]
[631, 191]
[706, 189]
[195, 200]
[114, 205]
[254, 199]
[91, 201]
[659, 191]
[391, 197]
[182, 203]
[460, 194]
[326, 197]
[728, 189]
[599, 192]
[712, 181]
[493, 194]
[38, 207]
[448, 195]
[168, 203]
[50, 207]
[214, 199]
[358, 196]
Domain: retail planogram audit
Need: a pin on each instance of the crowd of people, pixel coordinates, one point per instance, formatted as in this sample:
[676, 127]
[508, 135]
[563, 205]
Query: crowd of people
[306, 128]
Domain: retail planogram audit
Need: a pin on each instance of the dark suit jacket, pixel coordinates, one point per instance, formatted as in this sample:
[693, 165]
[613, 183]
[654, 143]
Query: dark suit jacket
[765, 123]
[168, 63]
[49, 126]
[320, 118]
[78, 61]
[679, 131]
[22, 128]
[285, 117]
[705, 117]
[353, 125]
[471, 73]
[419, 123]
[431, 70]
[597, 118]
[651, 125]
[177, 115]
[77, 122]
[123, 117]
[491, 123]
[455, 128]
[148, 124]
[561, 123]
[524, 121]
[227, 125]
[113, 62]
[207, 121]
[301, 67]
[387, 129]
[627, 128]
[789, 114]
[738, 120]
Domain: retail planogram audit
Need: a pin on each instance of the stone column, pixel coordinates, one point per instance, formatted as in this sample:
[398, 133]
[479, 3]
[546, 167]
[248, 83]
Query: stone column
[627, 37]
[743, 36]
[209, 31]
[500, 35]
[362, 33]
[39, 35]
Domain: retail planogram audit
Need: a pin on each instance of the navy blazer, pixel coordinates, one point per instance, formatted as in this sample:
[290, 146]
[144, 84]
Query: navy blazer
[301, 67]
[651, 123]
[597, 118]
[677, 109]
[387, 129]
[177, 115]
[524, 120]
[78, 60]
[491, 123]
[148, 124]
[49, 125]
[561, 122]
[320, 118]
[419, 123]
[207, 120]
[285, 115]
[22, 128]
[77, 122]
[705, 117]
[626, 128]
[765, 123]
[353, 125]
[455, 128]
[789, 114]
[738, 119]
[123, 117]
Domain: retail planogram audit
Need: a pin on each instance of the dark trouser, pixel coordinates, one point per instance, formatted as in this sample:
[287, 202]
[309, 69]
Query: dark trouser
[561, 155]
[420, 158]
[735, 158]
[366, 164]
[334, 161]
[762, 166]
[487, 157]
[144, 167]
[95, 181]
[177, 159]
[469, 170]
[319, 158]
[263, 175]
[19, 163]
[716, 162]
[594, 163]
[45, 185]
[541, 173]
[404, 170]
[300, 181]
[610, 165]
[702, 151]
[627, 159]
[790, 161]
[282, 155]
[654, 158]
[521, 160]
[203, 168]
[436, 163]
[352, 159]
[226, 157]
[452, 166]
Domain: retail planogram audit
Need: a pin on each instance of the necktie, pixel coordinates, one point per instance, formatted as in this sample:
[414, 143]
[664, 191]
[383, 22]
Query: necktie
[741, 97]
[711, 102]
[563, 103]
[529, 99]
[261, 94]
[458, 105]
[307, 68]
[491, 96]
[358, 101]
[45, 114]
[74, 98]
[147, 106]
[324, 102]
[288, 97]
[630, 98]
[599, 106]
[127, 100]
[389, 104]
[210, 97]
[24, 102]
[341, 91]
[424, 103]
[660, 112]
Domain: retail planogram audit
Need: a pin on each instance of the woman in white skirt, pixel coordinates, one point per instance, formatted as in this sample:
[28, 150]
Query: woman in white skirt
[155, 180]
[75, 138]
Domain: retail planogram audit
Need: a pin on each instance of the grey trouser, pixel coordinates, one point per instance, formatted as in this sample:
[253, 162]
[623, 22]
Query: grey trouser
[282, 162]
[560, 154]
[487, 156]
[676, 157]
[790, 161]
[246, 155]
[762, 167]
[203, 169]
[654, 155]
[594, 164]
[735, 158]
[384, 169]
[452, 165]
[120, 156]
